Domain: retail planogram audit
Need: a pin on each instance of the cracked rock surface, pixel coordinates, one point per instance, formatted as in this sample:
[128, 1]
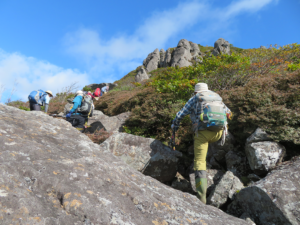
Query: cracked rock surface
[53, 174]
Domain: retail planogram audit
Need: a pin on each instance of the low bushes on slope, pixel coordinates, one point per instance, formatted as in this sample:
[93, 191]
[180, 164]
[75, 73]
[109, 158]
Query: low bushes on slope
[261, 86]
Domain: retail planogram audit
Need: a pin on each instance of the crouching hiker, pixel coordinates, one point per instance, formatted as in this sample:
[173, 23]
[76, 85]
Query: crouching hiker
[104, 90]
[39, 98]
[81, 110]
[209, 117]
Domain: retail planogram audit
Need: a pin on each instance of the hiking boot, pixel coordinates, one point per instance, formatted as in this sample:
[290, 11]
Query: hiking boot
[201, 185]
[80, 129]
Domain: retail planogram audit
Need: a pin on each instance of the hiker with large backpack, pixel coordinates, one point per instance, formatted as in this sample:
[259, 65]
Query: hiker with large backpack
[209, 118]
[39, 98]
[80, 110]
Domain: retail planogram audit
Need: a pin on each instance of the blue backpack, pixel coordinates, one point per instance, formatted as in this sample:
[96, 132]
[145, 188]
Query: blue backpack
[35, 97]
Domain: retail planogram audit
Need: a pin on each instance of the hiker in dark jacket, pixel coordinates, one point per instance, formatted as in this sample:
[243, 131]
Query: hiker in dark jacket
[76, 119]
[204, 133]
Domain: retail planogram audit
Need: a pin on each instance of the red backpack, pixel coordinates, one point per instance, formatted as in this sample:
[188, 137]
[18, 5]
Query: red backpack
[97, 92]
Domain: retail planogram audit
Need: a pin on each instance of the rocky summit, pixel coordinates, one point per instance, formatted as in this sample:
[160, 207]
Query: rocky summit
[53, 174]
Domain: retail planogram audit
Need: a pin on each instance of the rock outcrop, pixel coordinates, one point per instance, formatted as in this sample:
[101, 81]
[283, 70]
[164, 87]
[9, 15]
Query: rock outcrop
[258, 136]
[53, 174]
[274, 199]
[221, 46]
[141, 75]
[110, 124]
[146, 155]
[184, 54]
[168, 58]
[152, 61]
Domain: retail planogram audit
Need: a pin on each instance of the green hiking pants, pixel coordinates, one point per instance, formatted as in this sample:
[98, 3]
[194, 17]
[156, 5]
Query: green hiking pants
[201, 142]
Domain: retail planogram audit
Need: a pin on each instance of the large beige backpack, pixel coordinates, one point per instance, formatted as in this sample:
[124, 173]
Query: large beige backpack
[213, 116]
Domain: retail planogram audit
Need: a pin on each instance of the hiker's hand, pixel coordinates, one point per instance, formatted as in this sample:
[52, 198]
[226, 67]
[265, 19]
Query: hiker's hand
[68, 115]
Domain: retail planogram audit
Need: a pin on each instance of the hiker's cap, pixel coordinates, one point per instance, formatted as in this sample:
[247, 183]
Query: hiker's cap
[201, 87]
[79, 93]
[49, 92]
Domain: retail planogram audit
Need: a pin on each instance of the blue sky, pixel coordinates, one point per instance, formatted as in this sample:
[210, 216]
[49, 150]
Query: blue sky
[51, 44]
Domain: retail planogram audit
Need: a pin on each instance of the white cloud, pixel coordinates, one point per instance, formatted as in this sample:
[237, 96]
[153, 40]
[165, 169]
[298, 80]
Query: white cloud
[110, 59]
[121, 54]
[245, 6]
[32, 74]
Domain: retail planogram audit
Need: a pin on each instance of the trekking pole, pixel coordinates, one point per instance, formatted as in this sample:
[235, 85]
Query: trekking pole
[173, 137]
[172, 140]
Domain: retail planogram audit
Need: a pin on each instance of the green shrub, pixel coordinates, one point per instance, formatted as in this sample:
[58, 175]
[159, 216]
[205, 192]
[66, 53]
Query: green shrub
[88, 89]
[24, 108]
[293, 67]
[255, 84]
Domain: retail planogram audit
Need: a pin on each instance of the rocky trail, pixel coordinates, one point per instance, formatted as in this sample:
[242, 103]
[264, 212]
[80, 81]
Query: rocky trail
[53, 174]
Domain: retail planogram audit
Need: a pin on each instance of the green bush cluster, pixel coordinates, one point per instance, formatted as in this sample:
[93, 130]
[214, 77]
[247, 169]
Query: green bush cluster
[24, 108]
[256, 84]
[219, 72]
[86, 88]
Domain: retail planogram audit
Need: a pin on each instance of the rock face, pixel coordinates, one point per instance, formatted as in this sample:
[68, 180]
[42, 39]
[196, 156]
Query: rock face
[226, 188]
[181, 56]
[168, 58]
[257, 136]
[237, 163]
[110, 124]
[152, 61]
[264, 156]
[95, 86]
[53, 174]
[221, 46]
[182, 184]
[146, 155]
[141, 75]
[184, 53]
[162, 54]
[274, 199]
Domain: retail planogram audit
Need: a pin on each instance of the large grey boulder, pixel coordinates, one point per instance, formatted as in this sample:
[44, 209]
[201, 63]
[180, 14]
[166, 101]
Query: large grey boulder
[152, 61]
[274, 199]
[146, 155]
[110, 124]
[53, 174]
[264, 156]
[195, 50]
[168, 58]
[101, 85]
[226, 189]
[237, 163]
[257, 136]
[141, 75]
[182, 54]
[221, 46]
[162, 54]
